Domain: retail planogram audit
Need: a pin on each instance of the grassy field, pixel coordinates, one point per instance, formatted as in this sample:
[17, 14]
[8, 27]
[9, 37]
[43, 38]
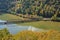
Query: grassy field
[44, 25]
[38, 24]
[10, 17]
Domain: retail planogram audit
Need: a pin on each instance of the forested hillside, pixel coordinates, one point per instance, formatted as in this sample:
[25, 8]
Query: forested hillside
[44, 8]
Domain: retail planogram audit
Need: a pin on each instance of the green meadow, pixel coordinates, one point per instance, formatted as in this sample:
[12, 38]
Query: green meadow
[39, 24]
[9, 17]
[50, 25]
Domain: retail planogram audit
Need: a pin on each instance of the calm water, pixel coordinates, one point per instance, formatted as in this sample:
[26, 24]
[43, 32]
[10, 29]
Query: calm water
[13, 28]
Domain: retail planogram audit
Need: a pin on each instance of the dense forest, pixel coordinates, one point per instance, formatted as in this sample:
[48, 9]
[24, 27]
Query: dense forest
[30, 35]
[43, 8]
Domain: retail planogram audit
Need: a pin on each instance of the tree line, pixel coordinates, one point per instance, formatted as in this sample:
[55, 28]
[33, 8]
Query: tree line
[46, 9]
[43, 8]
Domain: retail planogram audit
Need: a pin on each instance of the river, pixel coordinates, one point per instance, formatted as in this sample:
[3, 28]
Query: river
[14, 28]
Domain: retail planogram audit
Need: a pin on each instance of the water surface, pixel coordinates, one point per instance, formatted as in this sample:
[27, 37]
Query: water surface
[14, 28]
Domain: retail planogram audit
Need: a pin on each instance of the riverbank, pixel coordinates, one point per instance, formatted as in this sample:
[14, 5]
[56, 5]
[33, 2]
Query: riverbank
[13, 19]
[43, 24]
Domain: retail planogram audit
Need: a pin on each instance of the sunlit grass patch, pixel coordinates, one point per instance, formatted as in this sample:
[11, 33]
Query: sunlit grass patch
[43, 24]
[9, 17]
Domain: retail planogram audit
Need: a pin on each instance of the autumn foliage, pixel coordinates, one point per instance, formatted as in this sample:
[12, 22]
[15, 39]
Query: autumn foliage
[30, 35]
